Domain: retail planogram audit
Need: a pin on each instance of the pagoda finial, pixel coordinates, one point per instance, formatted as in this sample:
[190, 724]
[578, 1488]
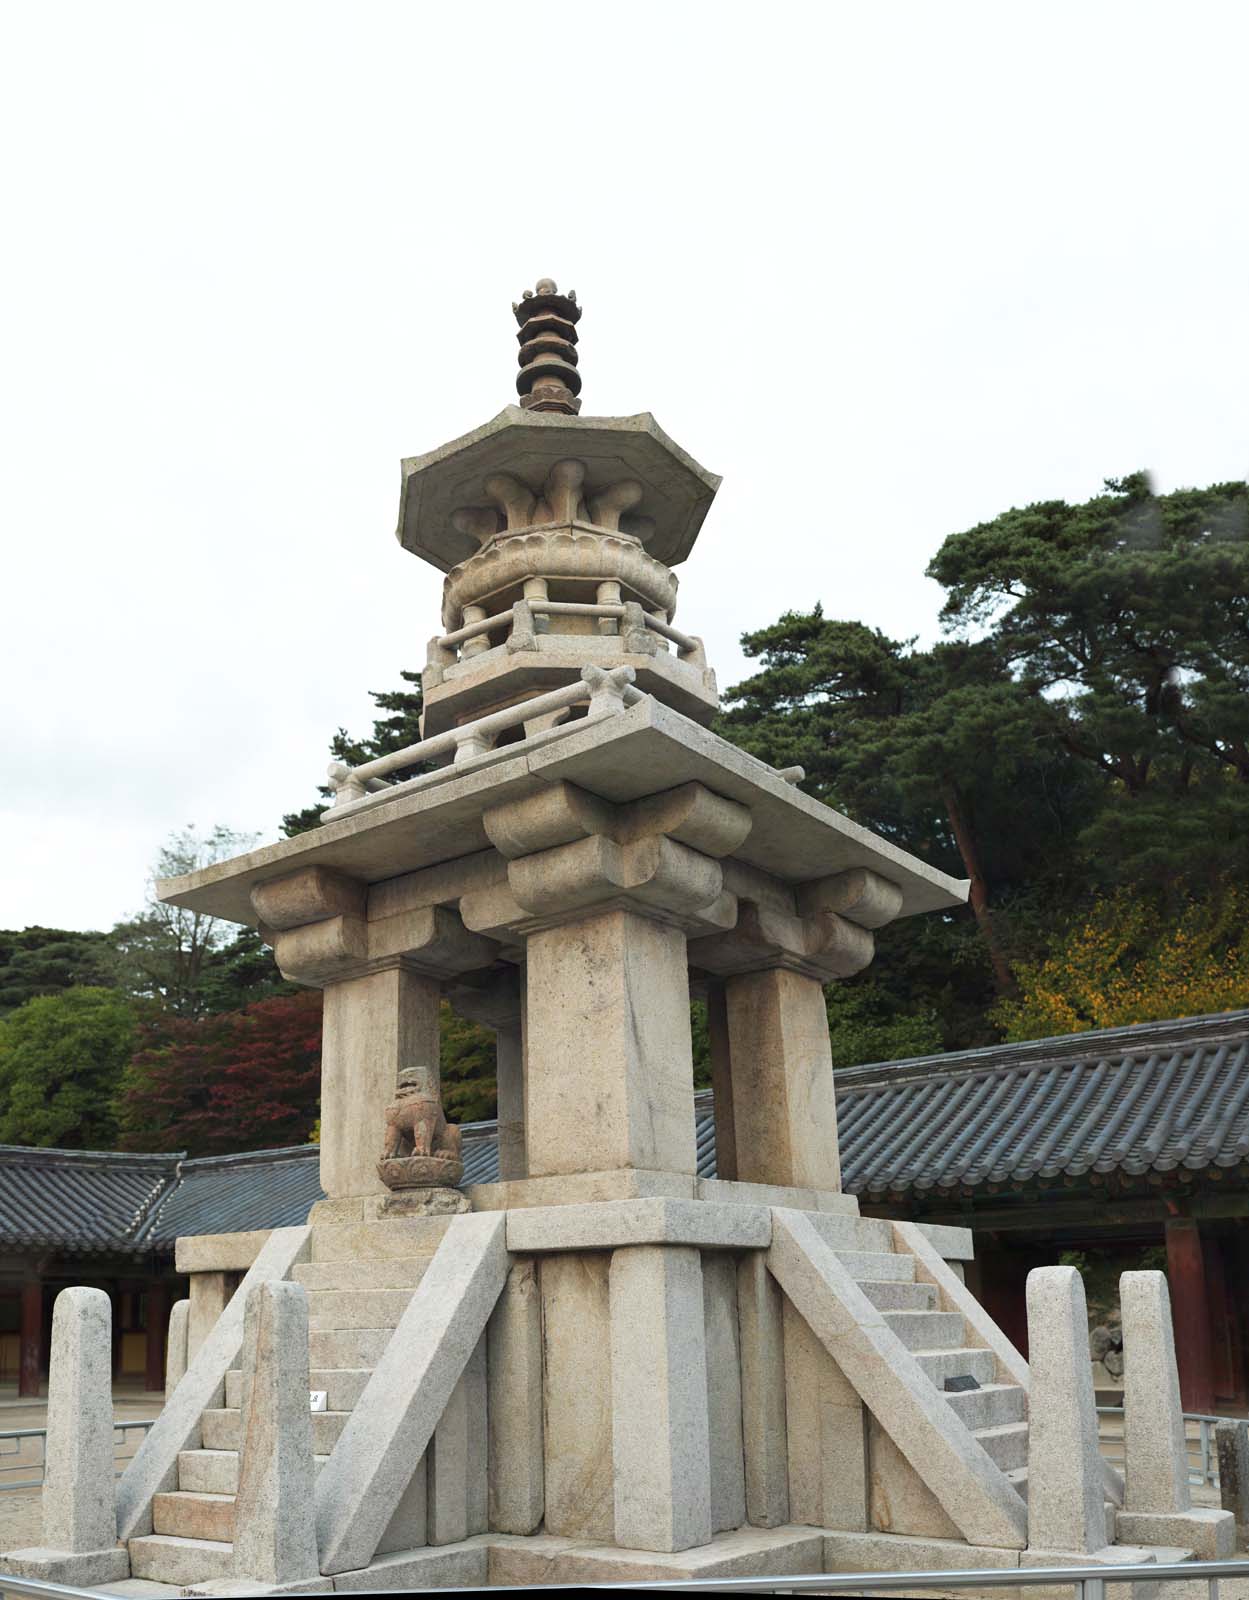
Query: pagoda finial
[548, 379]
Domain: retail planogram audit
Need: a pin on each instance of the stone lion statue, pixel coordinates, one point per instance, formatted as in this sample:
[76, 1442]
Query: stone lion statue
[415, 1124]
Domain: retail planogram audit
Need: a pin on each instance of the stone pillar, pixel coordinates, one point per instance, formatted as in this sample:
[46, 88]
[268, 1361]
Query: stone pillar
[1231, 1437]
[605, 897]
[374, 1027]
[577, 1414]
[155, 1316]
[509, 1051]
[380, 954]
[79, 1507]
[760, 1321]
[497, 1000]
[31, 1339]
[773, 1065]
[611, 1083]
[176, 1345]
[724, 1391]
[514, 1369]
[1157, 1505]
[457, 1457]
[1066, 1505]
[660, 1441]
[274, 1527]
[721, 1079]
[1155, 1455]
[1187, 1277]
[210, 1293]
[784, 1105]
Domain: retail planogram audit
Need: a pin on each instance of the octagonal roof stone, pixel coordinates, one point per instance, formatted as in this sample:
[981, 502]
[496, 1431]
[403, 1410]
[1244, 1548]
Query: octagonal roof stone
[676, 491]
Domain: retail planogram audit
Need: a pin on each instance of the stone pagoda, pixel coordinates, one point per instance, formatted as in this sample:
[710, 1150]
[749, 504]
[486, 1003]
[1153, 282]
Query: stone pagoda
[601, 1367]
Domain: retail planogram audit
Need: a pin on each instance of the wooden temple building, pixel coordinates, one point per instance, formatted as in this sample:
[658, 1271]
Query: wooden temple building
[1106, 1145]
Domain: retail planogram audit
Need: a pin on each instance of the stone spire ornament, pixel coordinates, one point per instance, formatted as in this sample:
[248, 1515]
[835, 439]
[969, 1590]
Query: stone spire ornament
[548, 379]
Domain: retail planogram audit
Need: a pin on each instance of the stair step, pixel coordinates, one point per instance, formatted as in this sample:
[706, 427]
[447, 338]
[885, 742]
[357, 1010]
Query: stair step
[357, 1308]
[991, 1406]
[208, 1471]
[927, 1330]
[877, 1266]
[967, 1363]
[193, 1514]
[165, 1558]
[901, 1296]
[841, 1232]
[341, 1386]
[404, 1272]
[376, 1241]
[216, 1471]
[347, 1347]
[219, 1429]
[1006, 1443]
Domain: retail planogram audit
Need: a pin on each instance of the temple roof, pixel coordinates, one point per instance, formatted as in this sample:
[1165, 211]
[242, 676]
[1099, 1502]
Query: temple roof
[1137, 1103]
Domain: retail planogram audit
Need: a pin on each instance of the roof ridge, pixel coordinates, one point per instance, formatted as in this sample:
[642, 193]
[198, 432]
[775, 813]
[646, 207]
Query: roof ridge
[1083, 1046]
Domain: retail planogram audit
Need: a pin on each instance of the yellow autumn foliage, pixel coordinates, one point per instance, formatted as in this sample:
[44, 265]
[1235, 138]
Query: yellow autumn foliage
[1131, 961]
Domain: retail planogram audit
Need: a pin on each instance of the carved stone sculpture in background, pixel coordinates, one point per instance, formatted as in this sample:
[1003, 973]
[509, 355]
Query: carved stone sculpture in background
[1106, 1346]
[422, 1148]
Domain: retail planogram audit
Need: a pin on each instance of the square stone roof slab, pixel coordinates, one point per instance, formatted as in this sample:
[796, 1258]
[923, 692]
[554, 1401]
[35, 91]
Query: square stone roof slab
[642, 751]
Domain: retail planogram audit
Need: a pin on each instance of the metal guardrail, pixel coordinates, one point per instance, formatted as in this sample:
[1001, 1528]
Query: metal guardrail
[24, 1451]
[1203, 1453]
[1086, 1583]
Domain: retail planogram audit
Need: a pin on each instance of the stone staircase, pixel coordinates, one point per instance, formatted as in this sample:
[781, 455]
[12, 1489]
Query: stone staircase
[996, 1413]
[356, 1296]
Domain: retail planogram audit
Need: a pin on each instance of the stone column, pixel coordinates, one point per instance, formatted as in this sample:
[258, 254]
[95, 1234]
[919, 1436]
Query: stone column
[764, 1439]
[1187, 1276]
[176, 1345]
[1231, 1437]
[721, 1079]
[514, 1369]
[660, 1440]
[374, 1027]
[784, 1105]
[155, 1316]
[497, 1000]
[609, 1032]
[1066, 1505]
[275, 1533]
[771, 1054]
[509, 1050]
[209, 1295]
[31, 1338]
[380, 955]
[79, 1509]
[605, 897]
[1157, 1505]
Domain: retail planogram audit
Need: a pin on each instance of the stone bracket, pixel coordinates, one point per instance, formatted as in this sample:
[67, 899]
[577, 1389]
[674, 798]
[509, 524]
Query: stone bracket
[822, 945]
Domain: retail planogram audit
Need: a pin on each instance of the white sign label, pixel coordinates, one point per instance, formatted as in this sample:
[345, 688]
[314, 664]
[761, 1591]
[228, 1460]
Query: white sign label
[317, 1399]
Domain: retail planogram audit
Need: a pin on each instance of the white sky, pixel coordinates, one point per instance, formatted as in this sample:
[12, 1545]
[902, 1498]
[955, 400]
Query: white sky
[890, 268]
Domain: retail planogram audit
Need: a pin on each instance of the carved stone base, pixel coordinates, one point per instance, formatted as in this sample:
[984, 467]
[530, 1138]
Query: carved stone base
[420, 1172]
[429, 1202]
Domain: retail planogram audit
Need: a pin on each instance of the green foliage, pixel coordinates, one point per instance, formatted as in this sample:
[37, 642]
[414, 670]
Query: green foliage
[865, 1024]
[61, 1061]
[400, 728]
[39, 961]
[1135, 958]
[468, 1068]
[168, 954]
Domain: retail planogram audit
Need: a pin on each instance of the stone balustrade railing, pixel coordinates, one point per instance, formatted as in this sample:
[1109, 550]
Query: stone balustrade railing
[607, 692]
[518, 623]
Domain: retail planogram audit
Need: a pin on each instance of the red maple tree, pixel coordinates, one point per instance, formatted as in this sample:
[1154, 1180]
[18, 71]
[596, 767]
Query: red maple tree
[239, 1080]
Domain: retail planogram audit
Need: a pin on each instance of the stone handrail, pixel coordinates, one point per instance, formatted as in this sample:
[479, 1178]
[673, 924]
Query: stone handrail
[608, 692]
[153, 1466]
[518, 620]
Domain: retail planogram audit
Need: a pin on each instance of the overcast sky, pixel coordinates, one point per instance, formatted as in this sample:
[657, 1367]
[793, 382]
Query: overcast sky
[889, 268]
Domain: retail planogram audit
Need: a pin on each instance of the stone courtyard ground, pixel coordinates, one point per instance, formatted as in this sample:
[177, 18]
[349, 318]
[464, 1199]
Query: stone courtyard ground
[21, 1460]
